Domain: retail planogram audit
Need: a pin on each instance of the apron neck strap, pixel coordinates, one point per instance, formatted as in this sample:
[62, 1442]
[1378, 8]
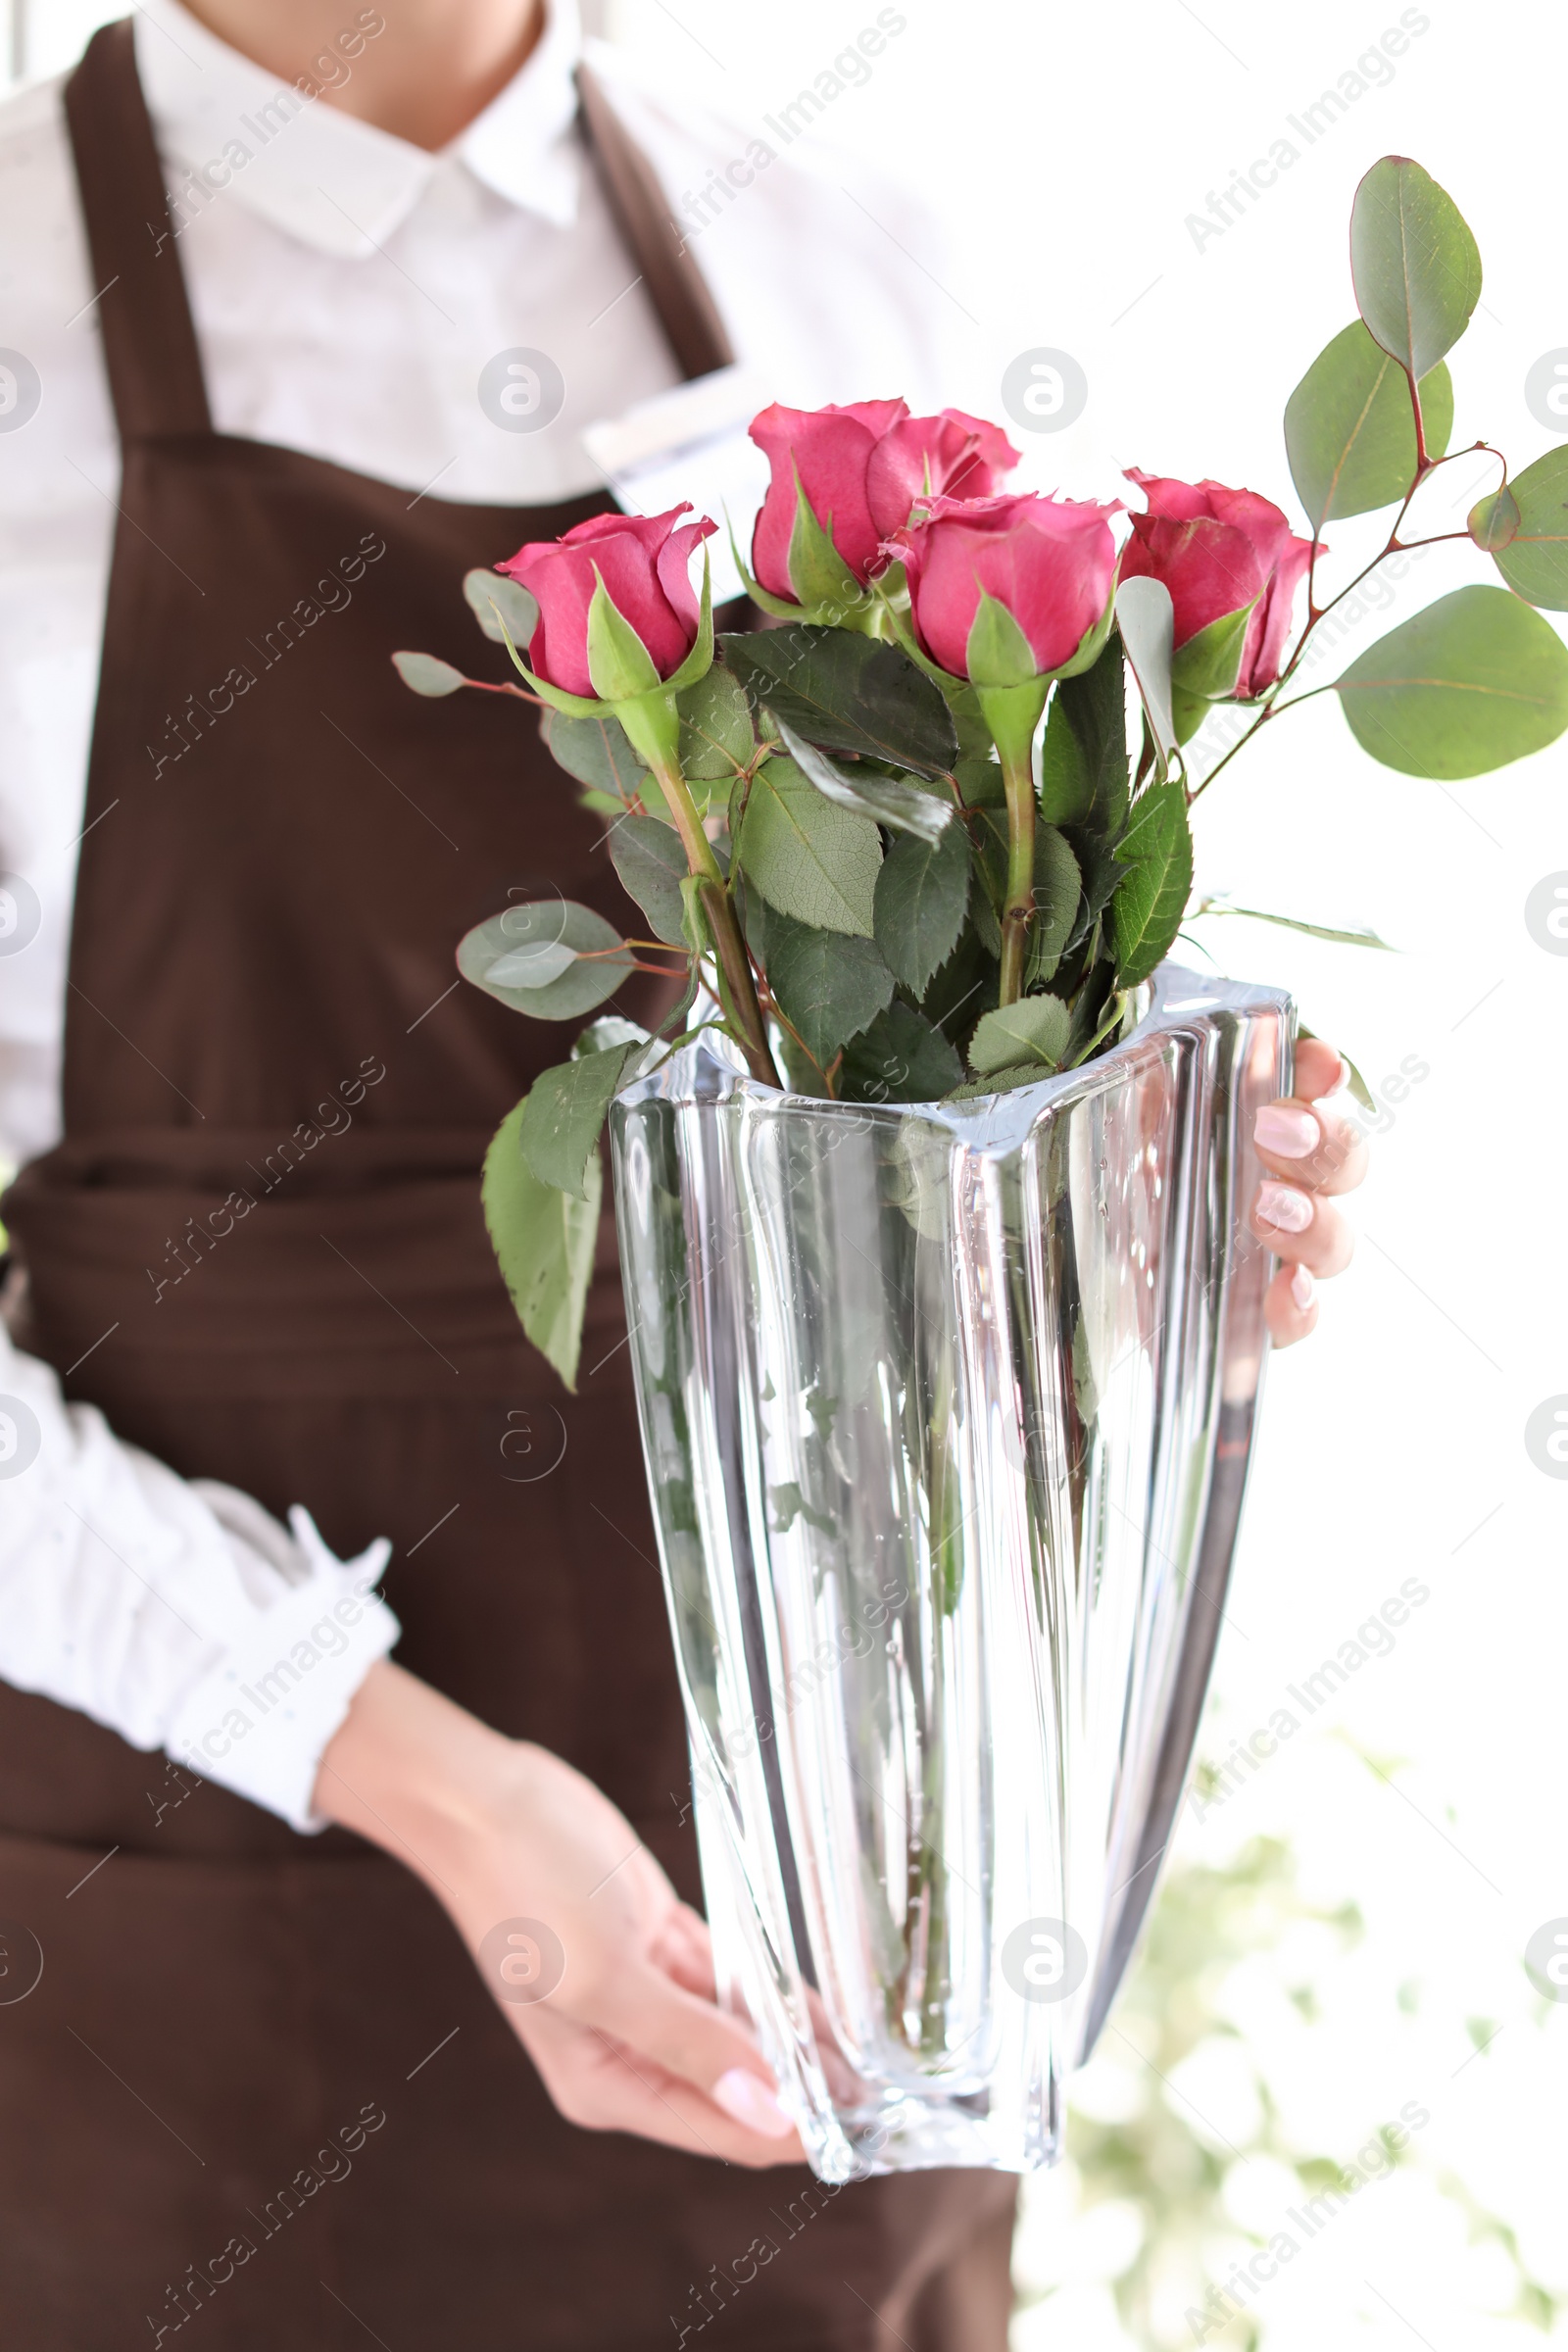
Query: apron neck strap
[155, 370]
[676, 287]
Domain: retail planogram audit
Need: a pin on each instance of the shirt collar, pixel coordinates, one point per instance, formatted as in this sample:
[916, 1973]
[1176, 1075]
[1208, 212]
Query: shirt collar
[326, 178]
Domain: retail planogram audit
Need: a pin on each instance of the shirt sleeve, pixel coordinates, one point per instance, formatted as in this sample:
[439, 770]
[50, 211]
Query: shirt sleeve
[181, 1615]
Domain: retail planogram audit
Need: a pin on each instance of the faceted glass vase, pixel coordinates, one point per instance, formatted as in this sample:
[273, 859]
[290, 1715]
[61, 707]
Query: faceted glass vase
[947, 1412]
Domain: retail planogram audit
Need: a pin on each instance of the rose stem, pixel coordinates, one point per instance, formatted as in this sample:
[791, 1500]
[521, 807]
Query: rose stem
[720, 908]
[1019, 912]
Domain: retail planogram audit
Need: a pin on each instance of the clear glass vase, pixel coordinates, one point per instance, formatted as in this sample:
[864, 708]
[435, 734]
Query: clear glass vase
[947, 1412]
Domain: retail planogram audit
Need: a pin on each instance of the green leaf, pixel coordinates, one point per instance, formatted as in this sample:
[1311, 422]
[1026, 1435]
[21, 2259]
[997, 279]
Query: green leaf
[1150, 898]
[648, 857]
[1290, 922]
[716, 728]
[900, 1059]
[427, 675]
[890, 800]
[1413, 263]
[1349, 432]
[812, 862]
[619, 662]
[1005, 1081]
[1083, 753]
[922, 890]
[1359, 1088]
[829, 987]
[1059, 887]
[494, 600]
[563, 1115]
[846, 693]
[1535, 561]
[1474, 681]
[997, 652]
[980, 781]
[596, 751]
[1034, 1031]
[1101, 870]
[1208, 664]
[1492, 522]
[544, 1241]
[1146, 620]
[550, 939]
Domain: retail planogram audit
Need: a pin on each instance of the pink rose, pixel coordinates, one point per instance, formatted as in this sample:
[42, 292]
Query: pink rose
[1216, 550]
[645, 564]
[1049, 560]
[863, 468]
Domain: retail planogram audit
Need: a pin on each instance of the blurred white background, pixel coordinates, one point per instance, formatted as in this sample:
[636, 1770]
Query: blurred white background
[1065, 151]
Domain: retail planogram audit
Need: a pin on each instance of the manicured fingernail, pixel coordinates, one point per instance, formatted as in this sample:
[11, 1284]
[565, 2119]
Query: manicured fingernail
[1283, 1206]
[1304, 1290]
[1287, 1131]
[747, 2098]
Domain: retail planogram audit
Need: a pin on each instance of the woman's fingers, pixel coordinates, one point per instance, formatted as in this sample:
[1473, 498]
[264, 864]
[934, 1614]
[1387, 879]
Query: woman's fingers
[1302, 1227]
[1290, 1305]
[1319, 1069]
[1304, 1142]
[604, 2084]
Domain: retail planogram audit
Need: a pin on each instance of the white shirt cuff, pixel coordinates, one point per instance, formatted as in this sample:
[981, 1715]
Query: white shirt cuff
[262, 1716]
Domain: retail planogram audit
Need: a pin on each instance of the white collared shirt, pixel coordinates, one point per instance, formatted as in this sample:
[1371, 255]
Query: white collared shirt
[348, 290]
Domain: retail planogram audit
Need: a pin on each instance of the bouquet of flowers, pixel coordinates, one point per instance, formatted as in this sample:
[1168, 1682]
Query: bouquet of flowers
[945, 1322]
[875, 870]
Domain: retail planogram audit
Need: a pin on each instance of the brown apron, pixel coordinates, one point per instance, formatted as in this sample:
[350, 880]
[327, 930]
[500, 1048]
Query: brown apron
[260, 2087]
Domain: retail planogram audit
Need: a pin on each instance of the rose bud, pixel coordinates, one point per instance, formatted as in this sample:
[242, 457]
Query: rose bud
[858, 471]
[1048, 562]
[643, 563]
[1220, 553]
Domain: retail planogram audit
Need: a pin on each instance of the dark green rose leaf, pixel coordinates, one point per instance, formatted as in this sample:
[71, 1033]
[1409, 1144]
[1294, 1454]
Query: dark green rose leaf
[1413, 263]
[1350, 431]
[1005, 1081]
[1101, 867]
[544, 1241]
[846, 693]
[716, 728]
[565, 1112]
[899, 1059]
[919, 906]
[829, 985]
[1150, 899]
[1034, 1031]
[890, 800]
[493, 599]
[1535, 561]
[596, 751]
[813, 861]
[1083, 753]
[1058, 888]
[979, 781]
[1474, 681]
[426, 674]
[548, 958]
[648, 857]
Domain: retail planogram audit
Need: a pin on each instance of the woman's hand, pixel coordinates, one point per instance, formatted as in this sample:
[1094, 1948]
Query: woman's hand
[618, 2013]
[1310, 1155]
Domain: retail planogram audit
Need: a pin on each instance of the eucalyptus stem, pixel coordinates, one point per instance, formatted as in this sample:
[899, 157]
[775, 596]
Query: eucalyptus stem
[1019, 910]
[719, 907]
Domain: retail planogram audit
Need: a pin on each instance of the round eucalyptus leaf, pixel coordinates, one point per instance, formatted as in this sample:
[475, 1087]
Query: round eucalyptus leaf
[1413, 263]
[495, 599]
[426, 674]
[552, 959]
[1474, 681]
[1535, 561]
[1349, 429]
